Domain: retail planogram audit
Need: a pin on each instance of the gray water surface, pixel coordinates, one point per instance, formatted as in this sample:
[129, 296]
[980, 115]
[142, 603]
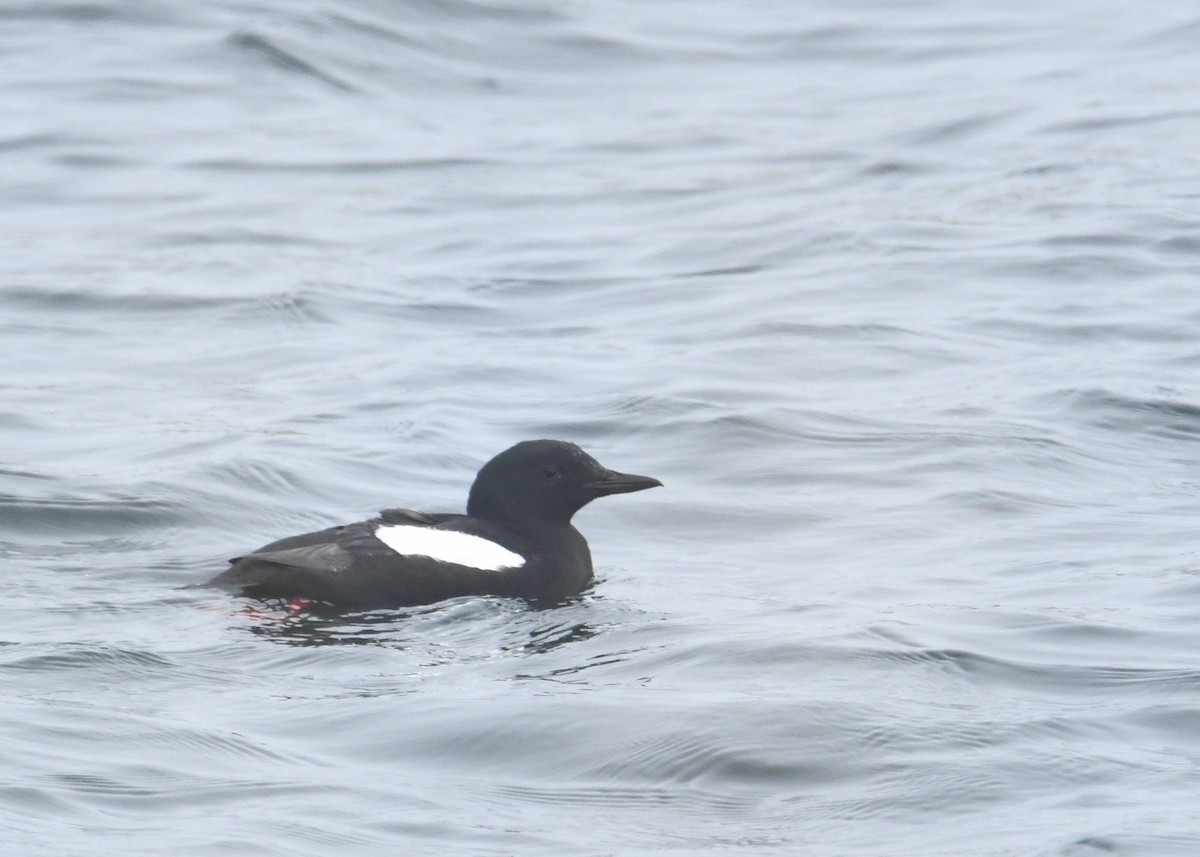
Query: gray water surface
[899, 300]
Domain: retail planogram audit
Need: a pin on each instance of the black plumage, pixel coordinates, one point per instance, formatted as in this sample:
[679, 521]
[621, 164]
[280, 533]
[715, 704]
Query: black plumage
[521, 501]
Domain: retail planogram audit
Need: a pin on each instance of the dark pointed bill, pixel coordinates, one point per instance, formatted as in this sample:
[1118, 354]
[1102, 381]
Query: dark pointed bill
[612, 482]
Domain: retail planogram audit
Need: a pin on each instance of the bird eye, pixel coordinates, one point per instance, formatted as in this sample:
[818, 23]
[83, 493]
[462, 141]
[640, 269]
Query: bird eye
[550, 472]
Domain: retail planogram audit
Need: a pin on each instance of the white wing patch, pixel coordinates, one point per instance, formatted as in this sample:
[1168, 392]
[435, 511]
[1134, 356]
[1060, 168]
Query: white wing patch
[449, 546]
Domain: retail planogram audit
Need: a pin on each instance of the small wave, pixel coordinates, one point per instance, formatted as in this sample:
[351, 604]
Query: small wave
[383, 165]
[108, 658]
[1064, 678]
[287, 60]
[87, 515]
[1133, 414]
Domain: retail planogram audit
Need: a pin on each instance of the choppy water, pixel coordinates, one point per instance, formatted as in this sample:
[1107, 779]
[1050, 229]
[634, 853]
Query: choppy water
[899, 300]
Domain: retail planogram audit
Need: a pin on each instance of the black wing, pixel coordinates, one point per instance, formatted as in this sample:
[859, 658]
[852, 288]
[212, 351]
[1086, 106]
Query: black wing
[349, 567]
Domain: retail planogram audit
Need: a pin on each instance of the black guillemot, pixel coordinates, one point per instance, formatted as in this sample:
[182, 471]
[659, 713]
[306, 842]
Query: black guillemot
[515, 540]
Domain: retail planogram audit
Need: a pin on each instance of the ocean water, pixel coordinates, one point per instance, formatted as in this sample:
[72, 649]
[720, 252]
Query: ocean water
[900, 300]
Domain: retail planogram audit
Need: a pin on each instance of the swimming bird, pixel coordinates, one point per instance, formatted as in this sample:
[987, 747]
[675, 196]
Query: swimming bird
[516, 540]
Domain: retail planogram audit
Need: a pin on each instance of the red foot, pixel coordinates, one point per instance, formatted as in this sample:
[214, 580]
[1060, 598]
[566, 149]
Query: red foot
[298, 605]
